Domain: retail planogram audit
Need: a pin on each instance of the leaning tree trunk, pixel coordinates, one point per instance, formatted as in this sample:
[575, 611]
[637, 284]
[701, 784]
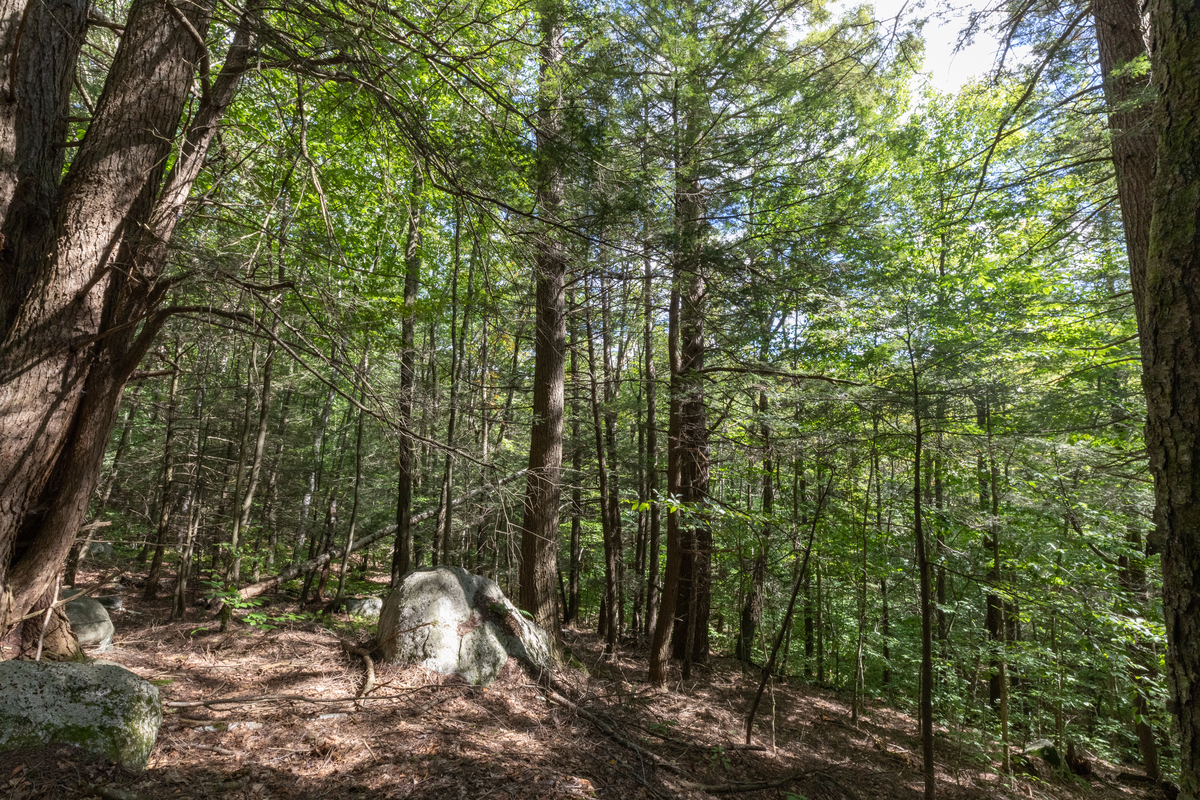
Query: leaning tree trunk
[75, 290]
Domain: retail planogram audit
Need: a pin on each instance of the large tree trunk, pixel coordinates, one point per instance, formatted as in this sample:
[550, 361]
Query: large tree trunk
[72, 301]
[1120, 38]
[1171, 342]
[692, 440]
[539, 525]
[660, 644]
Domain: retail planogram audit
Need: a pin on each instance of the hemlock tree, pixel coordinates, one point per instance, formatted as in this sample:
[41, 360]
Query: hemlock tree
[84, 254]
[539, 526]
[1171, 343]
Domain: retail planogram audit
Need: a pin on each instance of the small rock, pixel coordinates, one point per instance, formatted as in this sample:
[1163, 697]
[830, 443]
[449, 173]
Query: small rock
[1045, 750]
[102, 709]
[90, 622]
[112, 602]
[364, 606]
[100, 550]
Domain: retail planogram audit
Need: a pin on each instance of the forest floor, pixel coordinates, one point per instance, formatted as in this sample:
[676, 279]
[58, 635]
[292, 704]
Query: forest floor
[420, 735]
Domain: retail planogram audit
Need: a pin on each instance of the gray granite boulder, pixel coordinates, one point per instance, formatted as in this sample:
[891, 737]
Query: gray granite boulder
[450, 621]
[103, 709]
[364, 606]
[101, 550]
[90, 622]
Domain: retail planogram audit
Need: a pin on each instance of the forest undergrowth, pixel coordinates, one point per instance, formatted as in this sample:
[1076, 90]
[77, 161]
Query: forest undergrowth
[262, 712]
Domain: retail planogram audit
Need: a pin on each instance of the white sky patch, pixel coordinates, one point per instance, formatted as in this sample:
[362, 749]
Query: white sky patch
[948, 70]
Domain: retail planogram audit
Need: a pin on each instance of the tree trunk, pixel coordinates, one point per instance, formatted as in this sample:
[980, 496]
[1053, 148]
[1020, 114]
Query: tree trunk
[79, 551]
[402, 550]
[1172, 376]
[752, 610]
[571, 613]
[661, 643]
[654, 534]
[74, 290]
[168, 484]
[539, 526]
[608, 604]
[1141, 665]
[1120, 39]
[687, 384]
[358, 446]
[924, 579]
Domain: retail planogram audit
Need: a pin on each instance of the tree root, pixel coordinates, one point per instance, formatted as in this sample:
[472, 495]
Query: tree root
[293, 698]
[365, 655]
[556, 697]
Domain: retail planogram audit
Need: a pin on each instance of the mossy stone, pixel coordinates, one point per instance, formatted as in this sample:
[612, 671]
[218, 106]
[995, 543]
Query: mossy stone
[103, 709]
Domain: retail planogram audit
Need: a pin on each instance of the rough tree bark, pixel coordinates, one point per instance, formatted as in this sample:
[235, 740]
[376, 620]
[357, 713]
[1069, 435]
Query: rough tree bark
[539, 525]
[83, 258]
[1171, 347]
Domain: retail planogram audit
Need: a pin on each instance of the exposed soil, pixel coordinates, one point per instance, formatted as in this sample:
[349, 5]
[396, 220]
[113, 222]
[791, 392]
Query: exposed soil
[300, 733]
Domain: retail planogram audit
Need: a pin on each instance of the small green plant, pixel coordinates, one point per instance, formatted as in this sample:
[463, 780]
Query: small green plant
[254, 615]
[718, 757]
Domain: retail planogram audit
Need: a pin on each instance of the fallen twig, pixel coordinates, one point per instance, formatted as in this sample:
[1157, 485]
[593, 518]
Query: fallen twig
[291, 698]
[751, 786]
[620, 739]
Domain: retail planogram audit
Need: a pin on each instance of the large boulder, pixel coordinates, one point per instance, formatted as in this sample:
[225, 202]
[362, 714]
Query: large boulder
[90, 622]
[450, 621]
[104, 709]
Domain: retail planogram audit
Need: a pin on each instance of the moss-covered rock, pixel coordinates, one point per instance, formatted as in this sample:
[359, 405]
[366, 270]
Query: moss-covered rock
[100, 708]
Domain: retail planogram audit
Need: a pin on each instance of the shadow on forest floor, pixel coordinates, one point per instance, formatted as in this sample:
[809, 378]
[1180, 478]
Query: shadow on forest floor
[420, 735]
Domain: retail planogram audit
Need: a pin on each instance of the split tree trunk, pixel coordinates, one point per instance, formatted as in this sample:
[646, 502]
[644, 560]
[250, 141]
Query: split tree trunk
[83, 257]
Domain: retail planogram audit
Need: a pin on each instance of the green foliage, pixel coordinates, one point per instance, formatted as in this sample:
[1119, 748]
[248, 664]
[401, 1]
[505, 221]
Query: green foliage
[862, 266]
